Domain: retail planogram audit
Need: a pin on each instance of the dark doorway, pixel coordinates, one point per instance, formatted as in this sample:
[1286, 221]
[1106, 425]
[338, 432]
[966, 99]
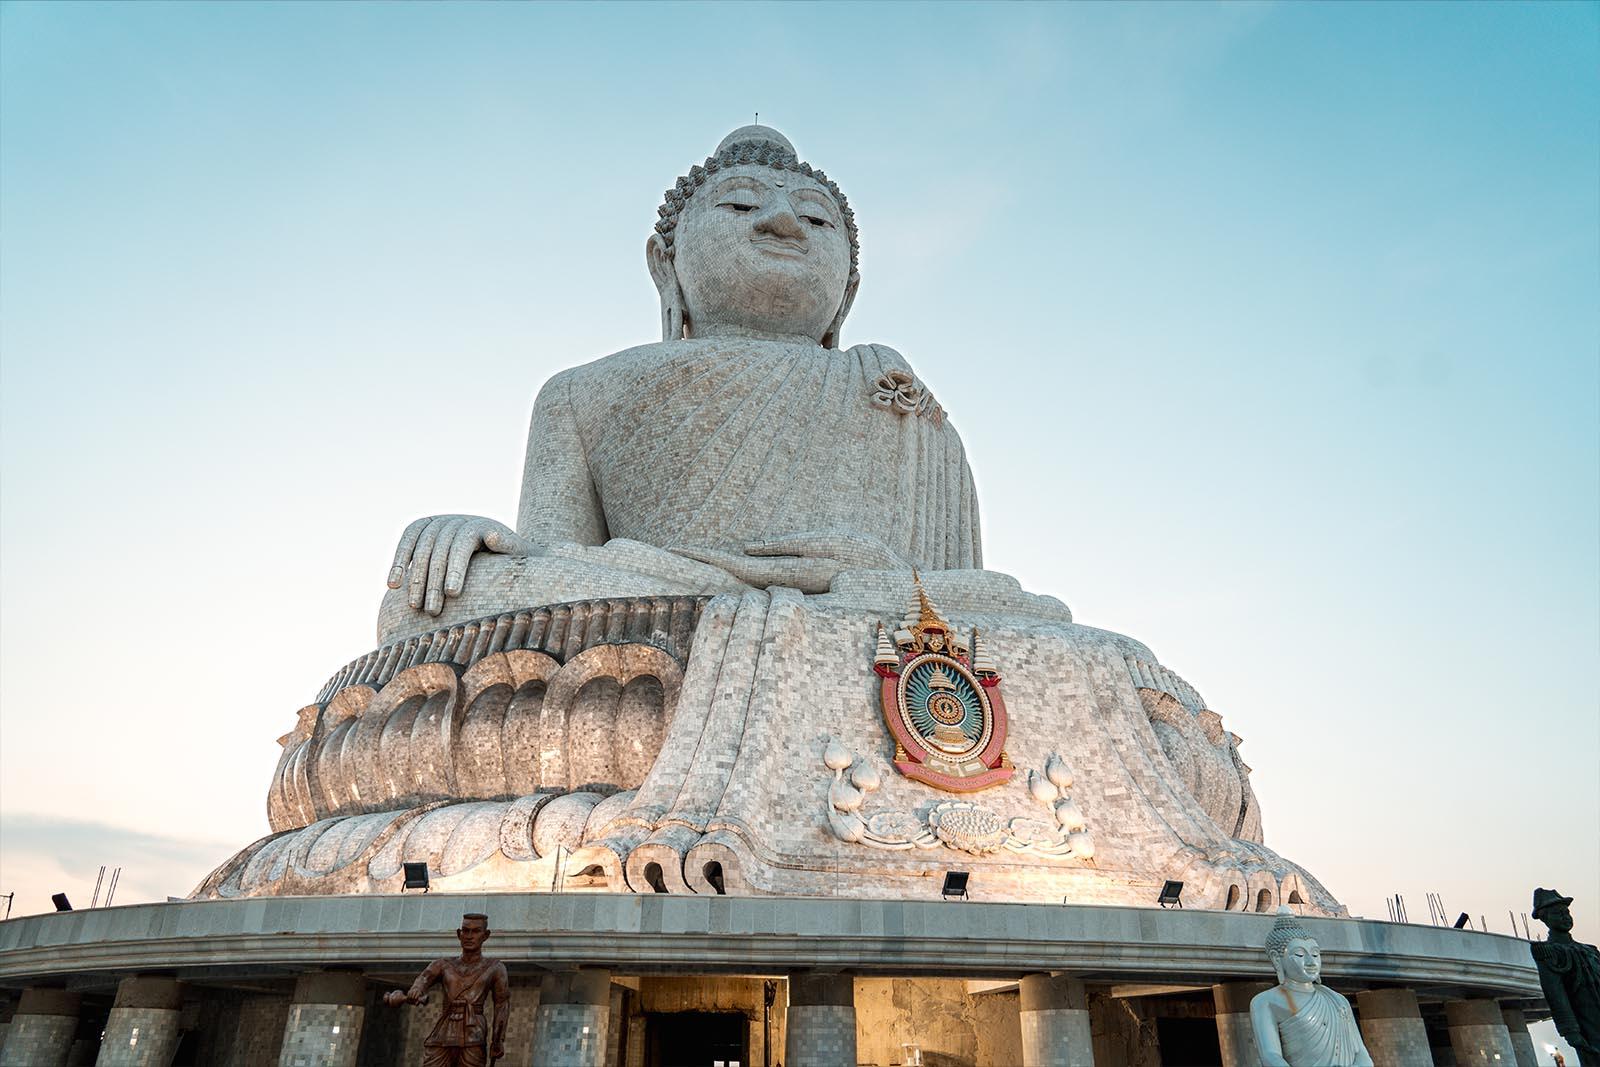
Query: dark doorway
[696, 1039]
[1189, 1043]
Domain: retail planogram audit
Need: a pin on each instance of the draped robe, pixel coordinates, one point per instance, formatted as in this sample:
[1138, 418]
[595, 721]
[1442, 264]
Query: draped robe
[718, 442]
[1322, 1032]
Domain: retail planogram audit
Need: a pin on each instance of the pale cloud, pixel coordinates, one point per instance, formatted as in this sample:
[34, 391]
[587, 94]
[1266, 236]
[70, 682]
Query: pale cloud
[45, 854]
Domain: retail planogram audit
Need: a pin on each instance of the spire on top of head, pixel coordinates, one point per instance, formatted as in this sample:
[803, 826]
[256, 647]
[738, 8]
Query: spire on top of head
[756, 135]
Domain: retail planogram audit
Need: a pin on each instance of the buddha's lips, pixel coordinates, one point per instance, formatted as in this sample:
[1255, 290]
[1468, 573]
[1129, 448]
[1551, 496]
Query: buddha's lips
[779, 245]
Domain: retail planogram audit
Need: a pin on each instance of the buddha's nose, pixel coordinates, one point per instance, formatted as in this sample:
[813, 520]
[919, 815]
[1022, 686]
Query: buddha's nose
[780, 221]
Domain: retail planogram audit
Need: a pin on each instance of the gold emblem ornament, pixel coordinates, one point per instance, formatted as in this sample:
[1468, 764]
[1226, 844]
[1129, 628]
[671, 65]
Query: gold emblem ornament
[941, 701]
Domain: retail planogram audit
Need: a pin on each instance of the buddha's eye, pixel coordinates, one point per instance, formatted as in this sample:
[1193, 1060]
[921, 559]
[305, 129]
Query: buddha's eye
[737, 206]
[817, 221]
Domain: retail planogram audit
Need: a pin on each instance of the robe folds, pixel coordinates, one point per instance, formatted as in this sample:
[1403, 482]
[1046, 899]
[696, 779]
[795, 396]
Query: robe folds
[721, 441]
[1322, 1032]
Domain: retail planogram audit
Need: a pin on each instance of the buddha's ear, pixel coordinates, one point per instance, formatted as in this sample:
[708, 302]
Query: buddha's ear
[673, 318]
[830, 339]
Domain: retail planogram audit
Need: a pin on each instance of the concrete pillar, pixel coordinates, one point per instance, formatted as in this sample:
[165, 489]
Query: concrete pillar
[42, 1030]
[1392, 1028]
[324, 1024]
[822, 1021]
[1055, 1022]
[1234, 1033]
[1478, 1034]
[143, 1028]
[571, 1021]
[1521, 1040]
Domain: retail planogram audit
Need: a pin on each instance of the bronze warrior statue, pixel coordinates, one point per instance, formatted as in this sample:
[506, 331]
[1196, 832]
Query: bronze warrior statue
[1569, 971]
[461, 1037]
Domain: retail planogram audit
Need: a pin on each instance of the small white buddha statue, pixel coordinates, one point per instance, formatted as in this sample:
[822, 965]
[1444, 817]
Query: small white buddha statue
[1301, 1022]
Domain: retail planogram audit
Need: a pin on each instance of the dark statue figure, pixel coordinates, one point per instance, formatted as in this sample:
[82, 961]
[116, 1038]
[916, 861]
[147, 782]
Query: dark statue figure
[461, 1038]
[1569, 971]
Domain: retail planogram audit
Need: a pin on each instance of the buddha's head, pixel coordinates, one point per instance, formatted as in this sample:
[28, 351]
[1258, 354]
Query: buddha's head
[1294, 953]
[756, 243]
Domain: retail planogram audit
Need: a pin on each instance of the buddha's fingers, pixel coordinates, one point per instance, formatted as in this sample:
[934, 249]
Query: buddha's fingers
[807, 574]
[469, 537]
[402, 552]
[850, 550]
[508, 542]
[416, 594]
[433, 599]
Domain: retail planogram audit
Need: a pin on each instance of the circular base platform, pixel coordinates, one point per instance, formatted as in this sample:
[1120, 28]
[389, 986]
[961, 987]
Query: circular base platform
[658, 934]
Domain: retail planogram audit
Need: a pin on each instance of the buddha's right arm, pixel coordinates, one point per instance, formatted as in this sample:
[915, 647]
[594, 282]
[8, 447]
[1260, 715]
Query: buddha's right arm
[559, 503]
[559, 499]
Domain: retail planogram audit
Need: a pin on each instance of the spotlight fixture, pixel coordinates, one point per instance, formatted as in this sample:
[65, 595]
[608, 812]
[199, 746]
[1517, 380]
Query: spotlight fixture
[1170, 892]
[955, 885]
[416, 876]
[61, 902]
[1463, 920]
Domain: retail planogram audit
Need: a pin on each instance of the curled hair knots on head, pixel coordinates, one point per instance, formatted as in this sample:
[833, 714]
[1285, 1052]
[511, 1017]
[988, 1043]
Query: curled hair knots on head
[761, 153]
[1286, 929]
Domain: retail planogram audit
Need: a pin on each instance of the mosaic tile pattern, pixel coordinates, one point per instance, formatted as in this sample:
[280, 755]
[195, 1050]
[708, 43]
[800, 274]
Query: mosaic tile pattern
[140, 1037]
[1482, 1046]
[571, 1035]
[1398, 1042]
[39, 1040]
[1057, 1037]
[322, 1035]
[821, 1035]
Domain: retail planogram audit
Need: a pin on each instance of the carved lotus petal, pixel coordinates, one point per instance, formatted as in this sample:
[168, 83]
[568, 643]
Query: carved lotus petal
[1082, 846]
[896, 826]
[836, 756]
[967, 827]
[1056, 770]
[844, 796]
[866, 778]
[1042, 791]
[846, 827]
[1069, 816]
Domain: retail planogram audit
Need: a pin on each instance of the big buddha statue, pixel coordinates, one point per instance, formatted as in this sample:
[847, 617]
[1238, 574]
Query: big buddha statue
[739, 638]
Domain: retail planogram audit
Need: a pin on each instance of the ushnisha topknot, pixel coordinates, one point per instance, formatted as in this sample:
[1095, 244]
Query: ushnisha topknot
[1287, 928]
[752, 146]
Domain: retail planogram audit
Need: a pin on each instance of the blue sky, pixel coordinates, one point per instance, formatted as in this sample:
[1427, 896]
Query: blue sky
[1271, 330]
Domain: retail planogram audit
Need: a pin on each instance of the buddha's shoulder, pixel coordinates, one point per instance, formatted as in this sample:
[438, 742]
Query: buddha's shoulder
[632, 363]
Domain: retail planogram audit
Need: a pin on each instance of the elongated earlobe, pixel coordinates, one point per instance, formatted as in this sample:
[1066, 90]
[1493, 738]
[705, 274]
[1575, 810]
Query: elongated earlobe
[830, 339]
[674, 319]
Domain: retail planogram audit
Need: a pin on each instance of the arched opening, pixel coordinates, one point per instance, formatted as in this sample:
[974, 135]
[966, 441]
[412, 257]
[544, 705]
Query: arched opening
[1233, 897]
[713, 873]
[1264, 900]
[652, 876]
[1294, 897]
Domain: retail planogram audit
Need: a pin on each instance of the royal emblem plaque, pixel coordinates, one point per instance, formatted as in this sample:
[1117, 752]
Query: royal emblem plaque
[941, 702]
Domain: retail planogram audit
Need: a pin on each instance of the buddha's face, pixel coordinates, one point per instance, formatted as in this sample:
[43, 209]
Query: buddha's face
[1302, 961]
[762, 250]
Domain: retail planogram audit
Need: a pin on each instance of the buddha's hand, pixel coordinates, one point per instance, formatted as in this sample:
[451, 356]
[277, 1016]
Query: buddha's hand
[807, 561]
[434, 552]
